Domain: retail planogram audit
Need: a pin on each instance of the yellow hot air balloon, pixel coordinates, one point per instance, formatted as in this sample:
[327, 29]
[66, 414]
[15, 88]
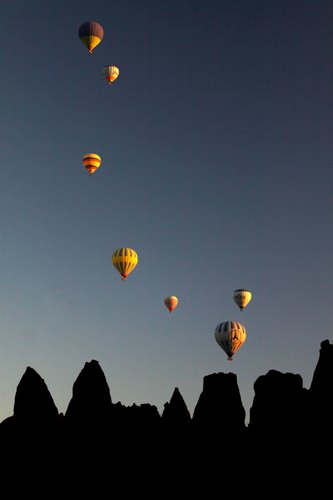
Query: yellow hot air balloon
[171, 302]
[110, 73]
[92, 162]
[91, 34]
[230, 335]
[242, 297]
[124, 260]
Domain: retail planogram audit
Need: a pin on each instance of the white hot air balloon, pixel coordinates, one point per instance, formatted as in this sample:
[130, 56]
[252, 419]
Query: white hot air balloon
[110, 73]
[242, 297]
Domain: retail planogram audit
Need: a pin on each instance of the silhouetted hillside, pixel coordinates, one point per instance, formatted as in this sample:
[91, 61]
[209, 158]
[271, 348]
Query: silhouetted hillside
[288, 425]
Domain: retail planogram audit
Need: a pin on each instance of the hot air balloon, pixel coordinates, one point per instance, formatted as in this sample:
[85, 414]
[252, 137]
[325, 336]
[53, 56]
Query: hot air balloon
[92, 162]
[124, 260]
[110, 73]
[242, 297]
[230, 335]
[91, 34]
[171, 302]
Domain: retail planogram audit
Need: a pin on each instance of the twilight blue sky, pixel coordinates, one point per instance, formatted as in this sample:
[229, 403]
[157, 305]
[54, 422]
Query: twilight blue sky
[216, 146]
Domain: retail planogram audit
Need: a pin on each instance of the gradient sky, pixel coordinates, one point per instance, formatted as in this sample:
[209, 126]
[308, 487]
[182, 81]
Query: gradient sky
[216, 146]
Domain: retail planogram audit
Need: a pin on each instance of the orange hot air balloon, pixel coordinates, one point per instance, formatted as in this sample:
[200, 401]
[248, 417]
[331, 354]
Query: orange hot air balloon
[91, 34]
[171, 302]
[92, 162]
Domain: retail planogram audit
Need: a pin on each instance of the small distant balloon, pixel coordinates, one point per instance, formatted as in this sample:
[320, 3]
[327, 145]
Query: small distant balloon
[110, 73]
[91, 162]
[91, 34]
[124, 260]
[242, 297]
[230, 335]
[171, 302]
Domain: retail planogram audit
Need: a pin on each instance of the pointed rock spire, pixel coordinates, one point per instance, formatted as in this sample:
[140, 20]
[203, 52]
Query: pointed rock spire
[33, 400]
[91, 393]
[175, 412]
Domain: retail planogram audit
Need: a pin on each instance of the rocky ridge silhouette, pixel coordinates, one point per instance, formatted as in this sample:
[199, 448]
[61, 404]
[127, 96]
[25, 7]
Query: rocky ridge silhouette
[286, 420]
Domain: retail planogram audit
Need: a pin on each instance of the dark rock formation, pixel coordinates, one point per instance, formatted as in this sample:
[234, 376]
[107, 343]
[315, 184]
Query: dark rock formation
[220, 401]
[320, 404]
[289, 427]
[136, 421]
[91, 398]
[35, 425]
[87, 418]
[218, 419]
[322, 381]
[176, 430]
[33, 401]
[175, 413]
[278, 404]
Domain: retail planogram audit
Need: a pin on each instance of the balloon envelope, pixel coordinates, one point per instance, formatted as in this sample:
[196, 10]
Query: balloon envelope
[110, 73]
[124, 260]
[242, 297]
[92, 162]
[230, 335]
[171, 302]
[91, 34]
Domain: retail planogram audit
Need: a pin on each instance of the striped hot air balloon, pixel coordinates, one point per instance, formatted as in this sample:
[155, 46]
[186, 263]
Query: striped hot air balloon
[124, 260]
[92, 162]
[110, 73]
[91, 34]
[230, 335]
